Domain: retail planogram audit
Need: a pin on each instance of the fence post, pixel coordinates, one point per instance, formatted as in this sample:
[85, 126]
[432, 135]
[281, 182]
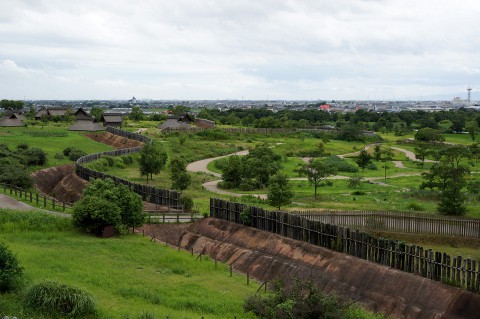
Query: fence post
[44, 201]
[53, 203]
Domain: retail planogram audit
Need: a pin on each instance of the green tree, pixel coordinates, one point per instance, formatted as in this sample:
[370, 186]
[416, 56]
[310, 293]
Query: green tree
[233, 172]
[179, 175]
[363, 159]
[136, 114]
[126, 207]
[422, 150]
[10, 269]
[377, 152]
[429, 135]
[280, 192]
[472, 128]
[448, 176]
[152, 160]
[11, 104]
[317, 172]
[386, 155]
[97, 112]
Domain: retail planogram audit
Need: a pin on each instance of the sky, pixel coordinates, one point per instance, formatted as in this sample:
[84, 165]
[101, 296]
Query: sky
[239, 49]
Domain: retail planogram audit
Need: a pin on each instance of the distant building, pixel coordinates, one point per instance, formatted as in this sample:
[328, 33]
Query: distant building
[112, 119]
[12, 120]
[181, 122]
[85, 122]
[50, 112]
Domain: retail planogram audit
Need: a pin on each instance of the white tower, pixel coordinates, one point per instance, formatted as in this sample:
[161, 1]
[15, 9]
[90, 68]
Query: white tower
[469, 89]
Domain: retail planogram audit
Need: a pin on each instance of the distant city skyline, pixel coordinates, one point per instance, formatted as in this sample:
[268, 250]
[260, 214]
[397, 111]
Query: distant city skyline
[252, 50]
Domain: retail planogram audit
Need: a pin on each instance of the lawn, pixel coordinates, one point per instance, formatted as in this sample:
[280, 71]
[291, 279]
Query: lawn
[12, 136]
[128, 275]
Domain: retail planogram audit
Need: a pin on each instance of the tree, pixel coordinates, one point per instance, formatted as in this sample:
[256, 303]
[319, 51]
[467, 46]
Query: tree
[280, 192]
[179, 175]
[317, 172]
[11, 105]
[136, 114]
[152, 160]
[363, 159]
[377, 152]
[106, 204]
[422, 150]
[472, 128]
[10, 269]
[233, 172]
[261, 163]
[386, 155]
[448, 176]
[97, 112]
[429, 135]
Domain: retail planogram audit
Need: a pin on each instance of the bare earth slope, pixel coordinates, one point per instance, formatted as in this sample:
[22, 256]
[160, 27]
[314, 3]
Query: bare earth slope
[267, 256]
[113, 140]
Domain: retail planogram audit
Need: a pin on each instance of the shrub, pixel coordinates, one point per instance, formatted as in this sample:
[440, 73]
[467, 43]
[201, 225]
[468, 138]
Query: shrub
[354, 181]
[76, 154]
[93, 213]
[341, 164]
[59, 156]
[35, 156]
[110, 160]
[59, 300]
[187, 202]
[67, 151]
[127, 159]
[415, 206]
[249, 185]
[372, 166]
[10, 270]
[22, 146]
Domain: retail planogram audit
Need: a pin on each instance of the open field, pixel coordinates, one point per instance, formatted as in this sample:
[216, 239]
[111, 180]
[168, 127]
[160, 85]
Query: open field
[12, 136]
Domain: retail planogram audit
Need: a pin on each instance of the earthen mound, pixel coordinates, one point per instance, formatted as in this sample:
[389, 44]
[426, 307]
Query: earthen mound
[113, 140]
[60, 182]
[268, 256]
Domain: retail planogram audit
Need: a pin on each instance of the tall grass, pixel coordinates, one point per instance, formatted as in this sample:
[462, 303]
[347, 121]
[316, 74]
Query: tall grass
[23, 221]
[59, 300]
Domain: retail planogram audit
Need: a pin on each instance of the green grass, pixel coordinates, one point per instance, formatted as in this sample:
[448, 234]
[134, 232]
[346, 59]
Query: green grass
[12, 136]
[127, 275]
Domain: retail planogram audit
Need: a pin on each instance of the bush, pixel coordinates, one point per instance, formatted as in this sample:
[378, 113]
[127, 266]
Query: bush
[67, 151]
[59, 300]
[187, 203]
[249, 185]
[10, 270]
[93, 213]
[415, 206]
[341, 164]
[127, 159]
[75, 154]
[22, 146]
[35, 156]
[59, 156]
[355, 181]
[110, 160]
[371, 166]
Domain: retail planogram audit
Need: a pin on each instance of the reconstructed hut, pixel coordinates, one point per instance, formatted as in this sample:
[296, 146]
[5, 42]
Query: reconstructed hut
[85, 122]
[112, 119]
[12, 119]
[204, 123]
[50, 112]
[176, 122]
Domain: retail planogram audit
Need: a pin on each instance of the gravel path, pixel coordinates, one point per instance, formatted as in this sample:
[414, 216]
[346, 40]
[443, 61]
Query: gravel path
[212, 186]
[10, 203]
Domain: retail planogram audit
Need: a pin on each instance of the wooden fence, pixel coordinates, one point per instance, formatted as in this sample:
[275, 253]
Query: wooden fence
[403, 222]
[247, 130]
[159, 196]
[34, 197]
[457, 271]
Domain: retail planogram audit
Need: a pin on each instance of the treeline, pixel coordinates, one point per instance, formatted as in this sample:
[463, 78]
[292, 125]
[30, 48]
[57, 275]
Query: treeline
[400, 122]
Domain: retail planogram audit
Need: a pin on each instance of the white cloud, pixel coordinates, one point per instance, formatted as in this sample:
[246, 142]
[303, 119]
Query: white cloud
[342, 49]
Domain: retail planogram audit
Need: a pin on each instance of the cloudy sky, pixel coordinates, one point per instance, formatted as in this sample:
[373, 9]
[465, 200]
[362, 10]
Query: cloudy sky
[234, 49]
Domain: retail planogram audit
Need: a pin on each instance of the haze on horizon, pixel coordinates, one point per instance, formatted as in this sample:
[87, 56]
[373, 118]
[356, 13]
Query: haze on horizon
[212, 49]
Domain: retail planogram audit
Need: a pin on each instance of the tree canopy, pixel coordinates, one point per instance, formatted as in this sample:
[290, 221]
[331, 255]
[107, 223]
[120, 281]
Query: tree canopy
[152, 160]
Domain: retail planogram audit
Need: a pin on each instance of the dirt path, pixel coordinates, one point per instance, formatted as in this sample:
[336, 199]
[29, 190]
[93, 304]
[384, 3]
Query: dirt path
[212, 186]
[10, 203]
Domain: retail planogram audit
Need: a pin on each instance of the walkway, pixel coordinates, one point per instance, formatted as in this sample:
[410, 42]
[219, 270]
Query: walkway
[11, 203]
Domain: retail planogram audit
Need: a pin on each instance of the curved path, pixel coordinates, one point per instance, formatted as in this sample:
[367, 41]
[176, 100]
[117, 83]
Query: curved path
[212, 186]
[11, 203]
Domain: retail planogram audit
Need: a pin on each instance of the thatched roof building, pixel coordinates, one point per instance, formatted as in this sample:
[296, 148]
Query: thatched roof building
[86, 125]
[12, 120]
[112, 119]
[176, 122]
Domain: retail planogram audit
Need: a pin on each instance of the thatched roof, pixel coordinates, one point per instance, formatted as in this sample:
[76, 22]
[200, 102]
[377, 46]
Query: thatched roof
[173, 123]
[86, 125]
[112, 117]
[11, 120]
[81, 114]
[60, 111]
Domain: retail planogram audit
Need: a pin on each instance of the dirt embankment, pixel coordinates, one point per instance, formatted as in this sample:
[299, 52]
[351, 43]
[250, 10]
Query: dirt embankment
[267, 256]
[113, 140]
[60, 182]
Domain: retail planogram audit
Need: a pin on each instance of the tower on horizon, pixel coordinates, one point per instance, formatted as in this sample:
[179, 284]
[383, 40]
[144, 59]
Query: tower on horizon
[469, 89]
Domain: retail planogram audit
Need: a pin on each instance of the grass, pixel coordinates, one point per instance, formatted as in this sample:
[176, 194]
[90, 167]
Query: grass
[127, 275]
[12, 136]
